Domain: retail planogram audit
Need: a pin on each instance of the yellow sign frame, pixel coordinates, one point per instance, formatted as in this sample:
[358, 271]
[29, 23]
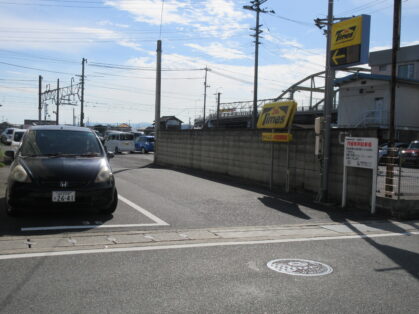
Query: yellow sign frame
[347, 33]
[277, 115]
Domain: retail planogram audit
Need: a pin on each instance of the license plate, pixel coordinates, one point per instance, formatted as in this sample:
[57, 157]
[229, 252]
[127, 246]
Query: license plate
[126, 143]
[63, 196]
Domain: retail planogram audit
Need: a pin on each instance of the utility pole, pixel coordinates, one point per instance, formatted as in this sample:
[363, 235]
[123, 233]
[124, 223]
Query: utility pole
[396, 47]
[45, 111]
[392, 112]
[158, 97]
[255, 6]
[40, 100]
[74, 118]
[82, 93]
[327, 109]
[58, 102]
[218, 109]
[205, 94]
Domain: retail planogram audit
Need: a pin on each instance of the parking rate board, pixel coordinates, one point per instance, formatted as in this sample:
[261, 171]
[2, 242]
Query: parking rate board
[361, 152]
[350, 42]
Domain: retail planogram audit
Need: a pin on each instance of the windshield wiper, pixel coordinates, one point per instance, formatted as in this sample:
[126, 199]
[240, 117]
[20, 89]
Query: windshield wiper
[89, 154]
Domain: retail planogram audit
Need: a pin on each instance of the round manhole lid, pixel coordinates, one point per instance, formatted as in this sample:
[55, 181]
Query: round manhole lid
[299, 267]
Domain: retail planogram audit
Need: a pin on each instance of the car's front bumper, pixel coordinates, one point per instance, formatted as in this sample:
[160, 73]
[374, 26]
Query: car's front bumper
[31, 196]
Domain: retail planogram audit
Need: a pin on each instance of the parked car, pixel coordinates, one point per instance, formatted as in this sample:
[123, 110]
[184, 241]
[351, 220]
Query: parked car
[383, 152]
[101, 138]
[61, 167]
[6, 136]
[410, 155]
[16, 142]
[144, 144]
[119, 142]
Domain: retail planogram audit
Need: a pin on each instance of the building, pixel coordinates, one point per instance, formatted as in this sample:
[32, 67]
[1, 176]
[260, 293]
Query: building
[170, 123]
[364, 99]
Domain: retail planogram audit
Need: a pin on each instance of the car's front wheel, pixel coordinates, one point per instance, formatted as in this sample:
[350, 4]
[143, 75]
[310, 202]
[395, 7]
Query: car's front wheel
[112, 207]
[143, 151]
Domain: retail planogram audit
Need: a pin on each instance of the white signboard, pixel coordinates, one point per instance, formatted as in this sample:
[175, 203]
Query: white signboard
[361, 152]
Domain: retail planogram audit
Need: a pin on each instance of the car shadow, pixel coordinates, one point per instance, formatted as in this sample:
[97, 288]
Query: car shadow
[44, 219]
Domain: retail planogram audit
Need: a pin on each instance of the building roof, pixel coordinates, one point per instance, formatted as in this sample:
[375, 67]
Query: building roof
[405, 54]
[364, 76]
[166, 118]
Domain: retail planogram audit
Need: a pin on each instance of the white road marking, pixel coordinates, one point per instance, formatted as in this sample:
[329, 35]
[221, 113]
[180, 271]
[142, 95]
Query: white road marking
[198, 245]
[143, 211]
[87, 225]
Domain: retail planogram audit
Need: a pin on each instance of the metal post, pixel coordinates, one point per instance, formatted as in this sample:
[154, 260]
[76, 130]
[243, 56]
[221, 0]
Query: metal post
[328, 102]
[82, 93]
[218, 110]
[392, 111]
[40, 100]
[158, 98]
[57, 103]
[271, 176]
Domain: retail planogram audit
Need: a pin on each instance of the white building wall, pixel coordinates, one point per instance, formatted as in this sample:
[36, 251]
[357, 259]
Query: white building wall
[358, 105]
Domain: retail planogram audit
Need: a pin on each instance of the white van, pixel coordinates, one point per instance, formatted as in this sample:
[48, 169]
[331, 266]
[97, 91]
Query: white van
[16, 140]
[119, 142]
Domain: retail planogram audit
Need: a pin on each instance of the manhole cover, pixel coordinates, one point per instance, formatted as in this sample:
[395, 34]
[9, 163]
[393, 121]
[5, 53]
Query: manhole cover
[299, 267]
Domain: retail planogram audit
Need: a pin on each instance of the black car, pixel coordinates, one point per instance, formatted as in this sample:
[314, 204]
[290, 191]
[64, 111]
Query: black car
[61, 167]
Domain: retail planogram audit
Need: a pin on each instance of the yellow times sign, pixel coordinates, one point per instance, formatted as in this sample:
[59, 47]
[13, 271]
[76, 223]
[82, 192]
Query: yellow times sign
[277, 137]
[277, 115]
[347, 33]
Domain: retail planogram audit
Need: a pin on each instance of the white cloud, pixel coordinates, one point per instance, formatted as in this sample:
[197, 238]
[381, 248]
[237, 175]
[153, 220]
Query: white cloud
[41, 35]
[218, 50]
[218, 17]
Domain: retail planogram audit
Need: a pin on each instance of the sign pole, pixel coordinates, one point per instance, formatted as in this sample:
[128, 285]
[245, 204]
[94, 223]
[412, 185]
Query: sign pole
[344, 186]
[271, 178]
[374, 190]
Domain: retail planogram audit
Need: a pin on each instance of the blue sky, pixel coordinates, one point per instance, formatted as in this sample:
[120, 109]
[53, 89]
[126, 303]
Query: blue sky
[50, 37]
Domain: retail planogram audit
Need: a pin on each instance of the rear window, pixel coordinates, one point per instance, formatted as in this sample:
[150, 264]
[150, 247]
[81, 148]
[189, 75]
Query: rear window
[60, 142]
[150, 140]
[18, 136]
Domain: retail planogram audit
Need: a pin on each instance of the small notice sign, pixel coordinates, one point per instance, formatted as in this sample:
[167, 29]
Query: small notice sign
[361, 152]
[276, 137]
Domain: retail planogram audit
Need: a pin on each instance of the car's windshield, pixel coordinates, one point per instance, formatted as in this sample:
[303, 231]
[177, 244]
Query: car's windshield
[126, 137]
[18, 136]
[414, 145]
[60, 142]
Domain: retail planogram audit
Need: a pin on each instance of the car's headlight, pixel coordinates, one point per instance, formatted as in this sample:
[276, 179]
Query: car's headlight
[104, 175]
[19, 174]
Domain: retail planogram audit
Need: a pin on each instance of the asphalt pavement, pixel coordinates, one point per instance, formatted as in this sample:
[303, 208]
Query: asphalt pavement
[185, 241]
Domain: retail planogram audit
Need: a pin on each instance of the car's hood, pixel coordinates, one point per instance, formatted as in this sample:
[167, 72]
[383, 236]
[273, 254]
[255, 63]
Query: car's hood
[62, 168]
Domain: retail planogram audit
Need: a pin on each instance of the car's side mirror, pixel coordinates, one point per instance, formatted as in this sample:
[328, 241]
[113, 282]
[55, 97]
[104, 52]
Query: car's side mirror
[10, 154]
[110, 155]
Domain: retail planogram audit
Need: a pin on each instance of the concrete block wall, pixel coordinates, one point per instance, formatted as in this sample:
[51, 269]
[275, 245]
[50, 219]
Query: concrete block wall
[241, 153]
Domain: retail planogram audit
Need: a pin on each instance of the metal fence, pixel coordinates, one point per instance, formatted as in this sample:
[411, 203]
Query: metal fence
[396, 178]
